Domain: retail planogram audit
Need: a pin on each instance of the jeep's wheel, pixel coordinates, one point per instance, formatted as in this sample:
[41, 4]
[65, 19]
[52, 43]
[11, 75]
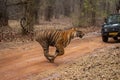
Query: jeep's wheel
[105, 38]
[115, 38]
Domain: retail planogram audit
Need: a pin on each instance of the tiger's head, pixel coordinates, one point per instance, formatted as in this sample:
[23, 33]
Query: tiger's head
[79, 33]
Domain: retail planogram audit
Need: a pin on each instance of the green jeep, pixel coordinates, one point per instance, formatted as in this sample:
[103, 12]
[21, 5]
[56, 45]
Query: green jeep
[111, 27]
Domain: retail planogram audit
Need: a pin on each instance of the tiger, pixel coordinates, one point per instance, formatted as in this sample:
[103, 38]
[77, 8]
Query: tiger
[58, 39]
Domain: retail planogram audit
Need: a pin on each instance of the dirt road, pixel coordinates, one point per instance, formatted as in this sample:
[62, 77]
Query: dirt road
[27, 60]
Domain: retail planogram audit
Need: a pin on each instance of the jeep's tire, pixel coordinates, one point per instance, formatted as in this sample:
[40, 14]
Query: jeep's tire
[105, 38]
[115, 38]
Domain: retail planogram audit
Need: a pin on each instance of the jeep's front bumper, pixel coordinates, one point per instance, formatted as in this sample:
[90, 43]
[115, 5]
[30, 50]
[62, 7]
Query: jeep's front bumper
[111, 34]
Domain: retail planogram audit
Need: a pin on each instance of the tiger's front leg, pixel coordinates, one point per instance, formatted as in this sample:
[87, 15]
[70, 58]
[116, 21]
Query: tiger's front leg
[59, 50]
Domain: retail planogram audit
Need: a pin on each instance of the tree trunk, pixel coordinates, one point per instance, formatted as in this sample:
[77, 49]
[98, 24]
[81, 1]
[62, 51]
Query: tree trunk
[3, 13]
[29, 17]
[37, 11]
[118, 7]
[93, 12]
[48, 13]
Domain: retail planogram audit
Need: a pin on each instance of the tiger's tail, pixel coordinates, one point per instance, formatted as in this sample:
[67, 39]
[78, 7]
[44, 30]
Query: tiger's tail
[23, 23]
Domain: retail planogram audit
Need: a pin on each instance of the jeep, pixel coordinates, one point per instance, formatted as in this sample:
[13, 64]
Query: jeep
[111, 27]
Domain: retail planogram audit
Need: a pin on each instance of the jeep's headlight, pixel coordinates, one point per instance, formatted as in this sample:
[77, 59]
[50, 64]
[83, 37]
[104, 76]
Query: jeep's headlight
[105, 30]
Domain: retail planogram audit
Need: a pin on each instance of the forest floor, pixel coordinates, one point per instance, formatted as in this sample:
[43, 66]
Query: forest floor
[85, 59]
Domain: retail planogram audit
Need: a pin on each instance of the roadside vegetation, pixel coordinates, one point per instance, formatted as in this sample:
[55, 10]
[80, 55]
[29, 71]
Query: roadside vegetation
[81, 13]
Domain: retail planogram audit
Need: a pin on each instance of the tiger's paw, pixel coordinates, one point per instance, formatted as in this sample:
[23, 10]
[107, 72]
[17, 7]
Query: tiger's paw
[52, 59]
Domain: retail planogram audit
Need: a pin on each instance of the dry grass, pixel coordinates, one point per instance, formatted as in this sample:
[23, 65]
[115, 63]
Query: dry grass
[55, 24]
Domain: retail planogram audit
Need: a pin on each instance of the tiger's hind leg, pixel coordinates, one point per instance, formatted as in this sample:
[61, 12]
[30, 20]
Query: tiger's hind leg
[49, 57]
[59, 50]
[46, 52]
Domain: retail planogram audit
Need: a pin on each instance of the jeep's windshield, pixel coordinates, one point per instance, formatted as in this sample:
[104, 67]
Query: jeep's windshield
[112, 19]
